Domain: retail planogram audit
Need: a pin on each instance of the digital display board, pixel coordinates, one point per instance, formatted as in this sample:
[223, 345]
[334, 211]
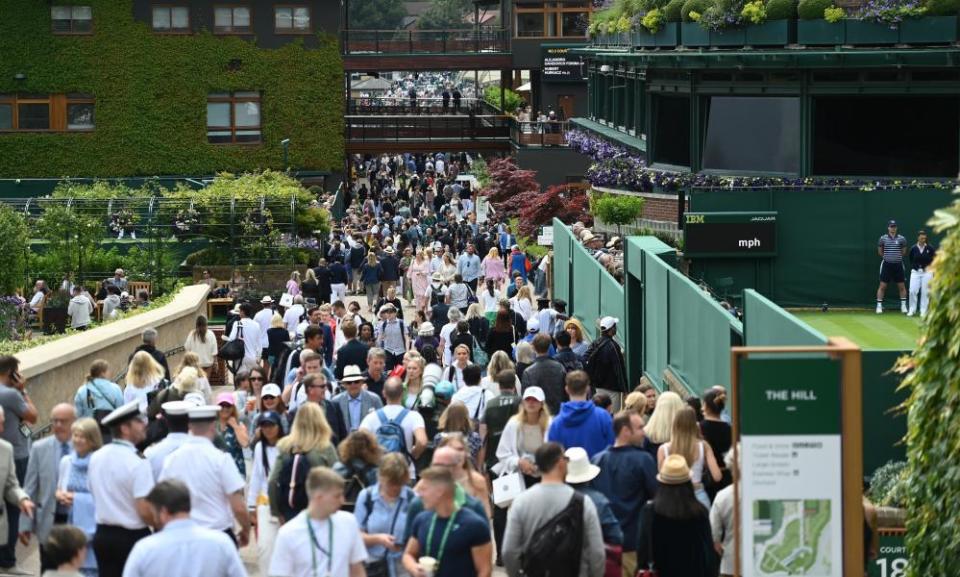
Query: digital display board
[730, 234]
[560, 65]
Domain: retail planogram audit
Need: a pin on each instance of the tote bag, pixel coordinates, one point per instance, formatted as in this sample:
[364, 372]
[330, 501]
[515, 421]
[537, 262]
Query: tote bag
[506, 488]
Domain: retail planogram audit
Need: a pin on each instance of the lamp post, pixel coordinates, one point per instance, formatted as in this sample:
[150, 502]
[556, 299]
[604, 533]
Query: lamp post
[285, 143]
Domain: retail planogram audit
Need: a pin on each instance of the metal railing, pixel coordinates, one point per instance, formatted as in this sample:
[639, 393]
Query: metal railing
[426, 128]
[396, 106]
[538, 133]
[465, 41]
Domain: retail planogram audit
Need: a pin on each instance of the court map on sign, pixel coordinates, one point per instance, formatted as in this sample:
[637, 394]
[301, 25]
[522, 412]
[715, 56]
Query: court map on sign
[792, 537]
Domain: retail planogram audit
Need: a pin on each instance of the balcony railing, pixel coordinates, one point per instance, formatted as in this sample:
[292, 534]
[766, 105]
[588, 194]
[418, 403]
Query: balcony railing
[420, 106]
[466, 41]
[426, 128]
[534, 133]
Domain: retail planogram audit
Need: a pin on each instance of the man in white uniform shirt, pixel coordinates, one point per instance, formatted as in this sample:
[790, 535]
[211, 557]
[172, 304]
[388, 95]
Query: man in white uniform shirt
[263, 318]
[292, 317]
[119, 480]
[216, 486]
[175, 416]
[181, 547]
[251, 337]
[321, 540]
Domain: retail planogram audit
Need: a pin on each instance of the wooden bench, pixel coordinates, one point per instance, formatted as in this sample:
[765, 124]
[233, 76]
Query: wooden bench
[134, 288]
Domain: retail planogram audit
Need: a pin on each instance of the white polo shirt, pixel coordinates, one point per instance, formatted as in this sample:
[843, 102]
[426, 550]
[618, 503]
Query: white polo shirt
[294, 551]
[117, 477]
[211, 475]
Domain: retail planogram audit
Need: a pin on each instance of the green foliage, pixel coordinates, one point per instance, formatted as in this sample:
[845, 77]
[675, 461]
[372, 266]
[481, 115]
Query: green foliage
[446, 15]
[888, 484]
[511, 102]
[754, 12]
[14, 246]
[833, 14]
[653, 20]
[781, 9]
[943, 7]
[933, 430]
[527, 245]
[813, 9]
[480, 171]
[151, 92]
[698, 6]
[376, 14]
[673, 9]
[618, 209]
[72, 238]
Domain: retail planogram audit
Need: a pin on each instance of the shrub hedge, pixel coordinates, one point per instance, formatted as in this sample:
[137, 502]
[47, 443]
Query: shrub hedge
[151, 93]
[813, 9]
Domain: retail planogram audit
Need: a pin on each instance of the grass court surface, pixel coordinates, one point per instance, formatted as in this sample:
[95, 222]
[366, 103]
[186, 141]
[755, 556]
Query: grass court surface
[891, 330]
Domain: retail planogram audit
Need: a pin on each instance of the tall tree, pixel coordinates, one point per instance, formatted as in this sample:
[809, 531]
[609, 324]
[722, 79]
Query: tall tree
[446, 15]
[376, 14]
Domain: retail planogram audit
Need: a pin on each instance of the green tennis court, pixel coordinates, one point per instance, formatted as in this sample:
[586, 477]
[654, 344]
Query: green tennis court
[891, 330]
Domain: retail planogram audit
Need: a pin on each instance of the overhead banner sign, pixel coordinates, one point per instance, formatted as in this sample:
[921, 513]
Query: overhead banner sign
[730, 234]
[791, 504]
[560, 65]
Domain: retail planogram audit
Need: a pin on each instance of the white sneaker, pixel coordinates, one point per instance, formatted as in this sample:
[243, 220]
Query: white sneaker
[879, 309]
[911, 313]
[903, 308]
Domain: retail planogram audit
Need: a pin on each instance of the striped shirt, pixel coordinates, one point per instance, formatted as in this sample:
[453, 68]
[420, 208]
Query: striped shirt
[892, 248]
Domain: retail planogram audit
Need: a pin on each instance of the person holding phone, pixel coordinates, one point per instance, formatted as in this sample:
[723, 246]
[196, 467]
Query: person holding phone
[20, 412]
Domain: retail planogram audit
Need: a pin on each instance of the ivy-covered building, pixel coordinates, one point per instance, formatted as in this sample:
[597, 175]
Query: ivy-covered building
[105, 88]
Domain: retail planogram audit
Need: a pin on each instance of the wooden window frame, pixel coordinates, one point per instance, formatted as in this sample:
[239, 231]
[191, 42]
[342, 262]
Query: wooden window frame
[292, 31]
[57, 111]
[555, 10]
[232, 7]
[71, 32]
[233, 100]
[172, 31]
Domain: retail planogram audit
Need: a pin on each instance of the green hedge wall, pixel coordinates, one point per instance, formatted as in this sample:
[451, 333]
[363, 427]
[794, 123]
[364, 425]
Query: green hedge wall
[151, 93]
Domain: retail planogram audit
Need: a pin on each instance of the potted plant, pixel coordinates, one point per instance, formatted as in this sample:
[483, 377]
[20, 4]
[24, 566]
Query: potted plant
[938, 25]
[877, 22]
[55, 312]
[820, 23]
[771, 25]
[645, 26]
[692, 34]
[669, 35]
[725, 23]
[888, 487]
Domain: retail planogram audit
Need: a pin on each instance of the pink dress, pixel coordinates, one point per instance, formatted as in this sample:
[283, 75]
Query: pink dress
[419, 275]
[493, 269]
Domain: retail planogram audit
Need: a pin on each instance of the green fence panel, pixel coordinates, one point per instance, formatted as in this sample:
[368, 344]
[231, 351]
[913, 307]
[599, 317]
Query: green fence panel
[586, 294]
[655, 316]
[698, 336]
[612, 303]
[562, 238]
[768, 325]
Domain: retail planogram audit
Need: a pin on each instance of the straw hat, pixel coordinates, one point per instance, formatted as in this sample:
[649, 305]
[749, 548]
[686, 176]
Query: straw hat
[674, 471]
[579, 468]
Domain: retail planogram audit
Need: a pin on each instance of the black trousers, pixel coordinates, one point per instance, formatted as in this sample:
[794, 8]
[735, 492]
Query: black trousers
[112, 545]
[392, 360]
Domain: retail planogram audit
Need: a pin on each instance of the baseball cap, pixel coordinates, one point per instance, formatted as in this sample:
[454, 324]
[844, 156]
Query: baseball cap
[891, 222]
[534, 393]
[607, 322]
[533, 325]
[270, 390]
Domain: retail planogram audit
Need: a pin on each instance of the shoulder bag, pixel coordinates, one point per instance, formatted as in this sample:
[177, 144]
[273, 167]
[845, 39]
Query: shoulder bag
[234, 350]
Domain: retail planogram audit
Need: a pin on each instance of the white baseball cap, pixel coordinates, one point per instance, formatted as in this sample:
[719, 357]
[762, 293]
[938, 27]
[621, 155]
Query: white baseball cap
[533, 325]
[606, 323]
[534, 393]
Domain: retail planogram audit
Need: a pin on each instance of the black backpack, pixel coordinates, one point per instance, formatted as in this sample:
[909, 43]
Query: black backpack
[554, 549]
[292, 485]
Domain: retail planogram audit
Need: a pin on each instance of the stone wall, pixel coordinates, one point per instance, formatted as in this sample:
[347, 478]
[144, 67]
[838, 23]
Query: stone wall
[660, 214]
[55, 370]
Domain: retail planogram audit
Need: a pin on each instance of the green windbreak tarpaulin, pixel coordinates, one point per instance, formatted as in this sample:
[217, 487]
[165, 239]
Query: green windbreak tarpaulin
[826, 240]
[586, 288]
[767, 325]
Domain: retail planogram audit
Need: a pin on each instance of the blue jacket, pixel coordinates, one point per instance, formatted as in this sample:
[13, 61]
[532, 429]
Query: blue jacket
[609, 525]
[582, 424]
[628, 479]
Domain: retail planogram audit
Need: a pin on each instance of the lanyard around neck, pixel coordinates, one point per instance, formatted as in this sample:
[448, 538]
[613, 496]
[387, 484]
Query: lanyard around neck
[443, 540]
[314, 545]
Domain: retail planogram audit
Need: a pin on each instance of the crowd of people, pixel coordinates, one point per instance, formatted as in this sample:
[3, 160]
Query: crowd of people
[413, 405]
[446, 92]
[109, 301]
